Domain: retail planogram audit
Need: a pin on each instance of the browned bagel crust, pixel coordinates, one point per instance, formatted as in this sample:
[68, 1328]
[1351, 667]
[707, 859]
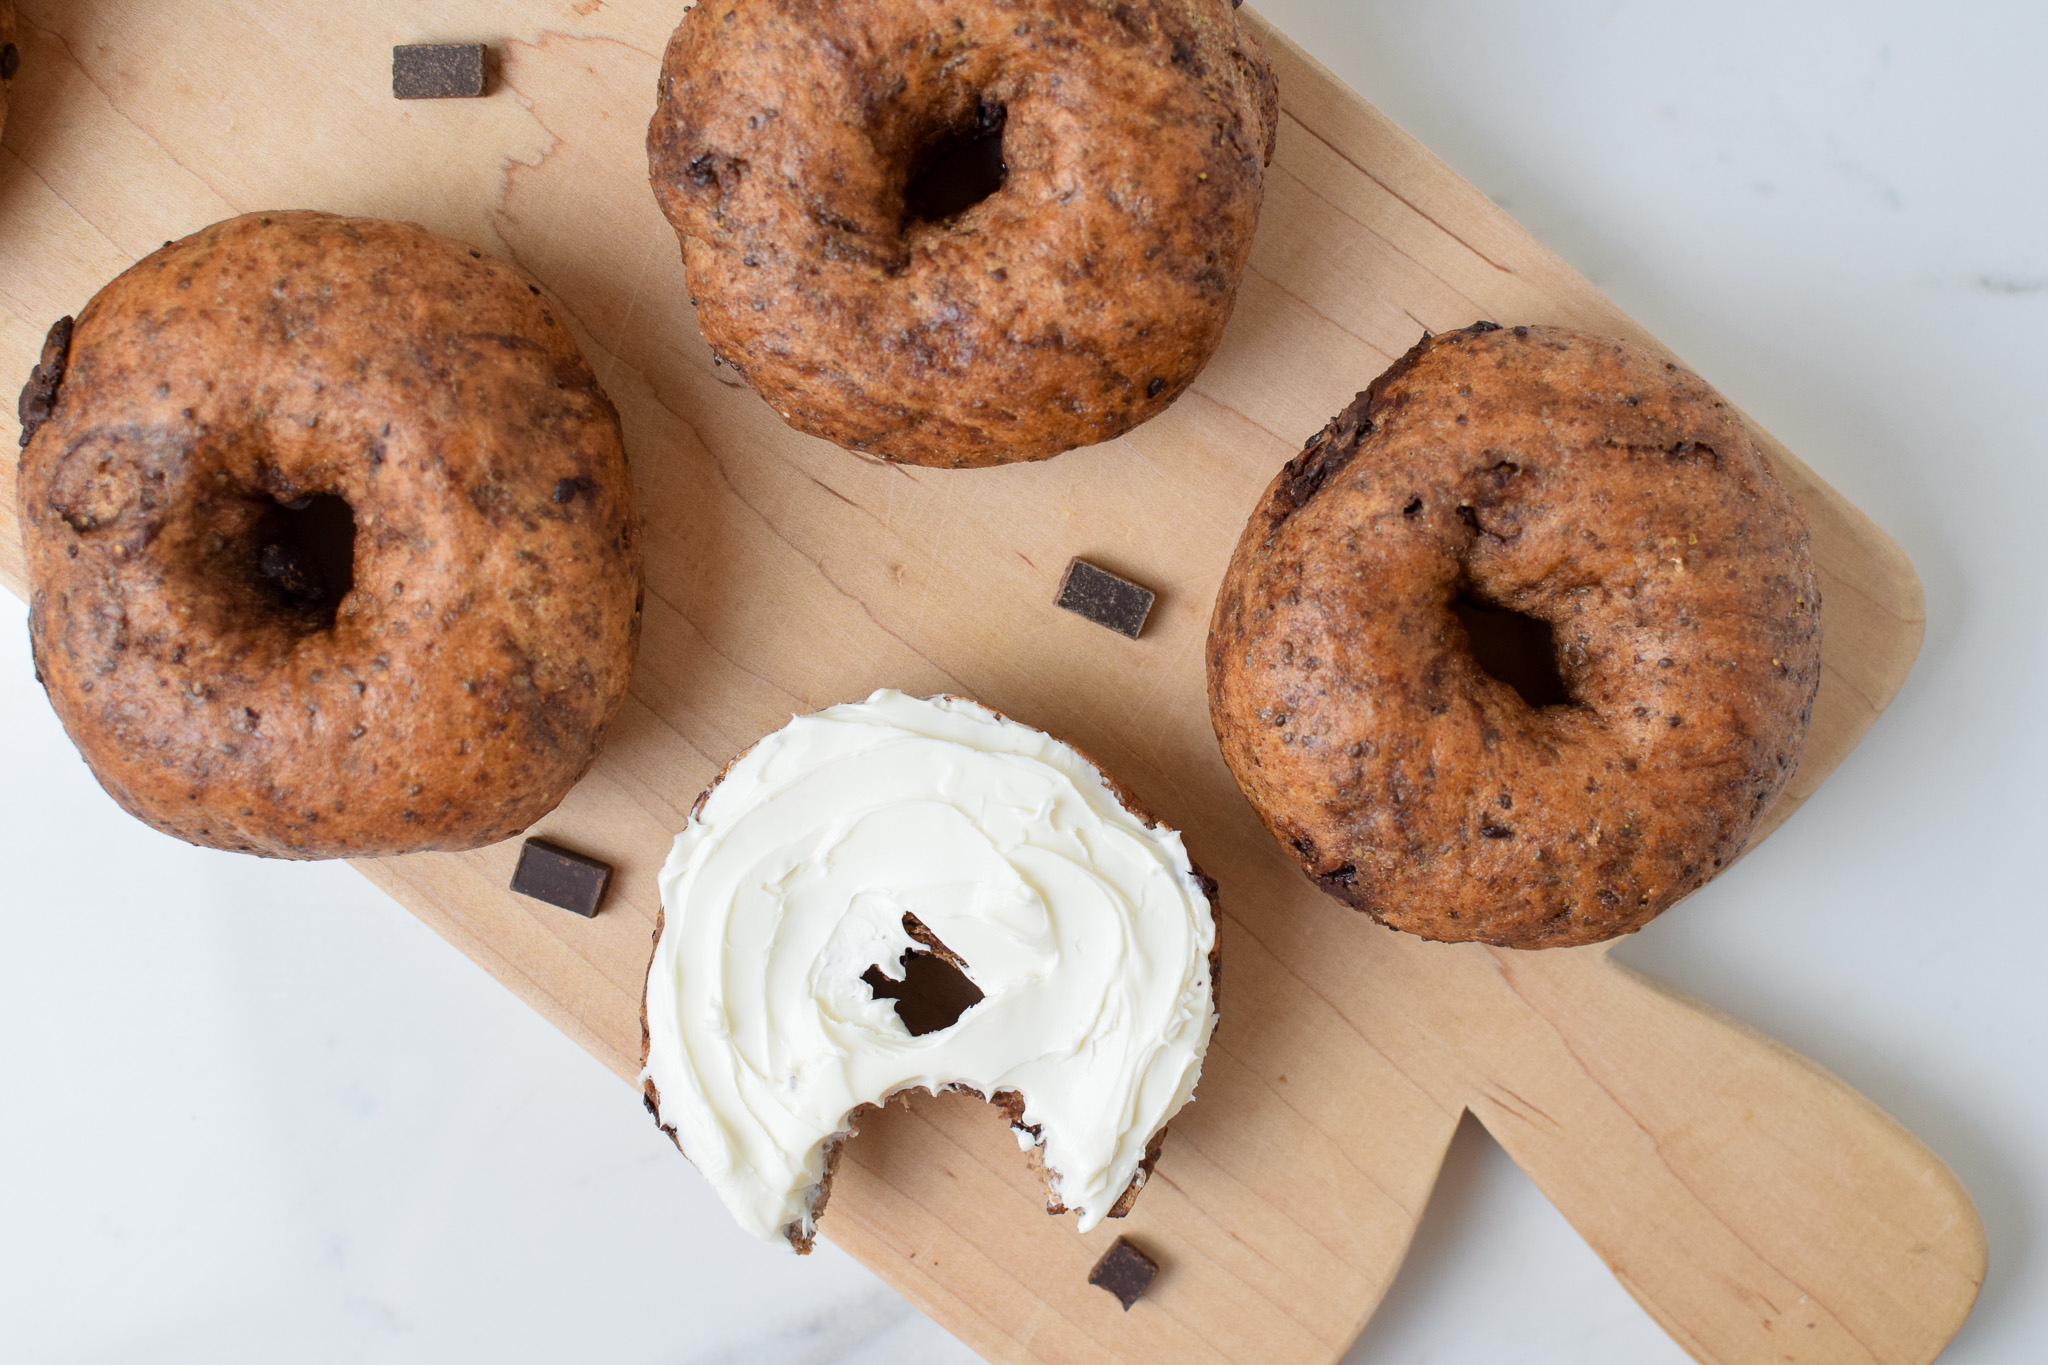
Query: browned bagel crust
[1581, 481]
[1074, 303]
[465, 681]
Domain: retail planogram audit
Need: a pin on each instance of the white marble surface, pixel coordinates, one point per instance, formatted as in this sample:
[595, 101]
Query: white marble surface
[255, 1112]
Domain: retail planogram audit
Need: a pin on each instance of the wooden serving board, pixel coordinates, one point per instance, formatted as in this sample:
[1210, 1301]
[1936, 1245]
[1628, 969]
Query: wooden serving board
[1754, 1205]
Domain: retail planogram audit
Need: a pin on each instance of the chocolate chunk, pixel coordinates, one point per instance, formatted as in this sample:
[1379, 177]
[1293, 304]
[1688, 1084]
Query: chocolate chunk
[1105, 599]
[10, 61]
[437, 71]
[1125, 1272]
[39, 395]
[549, 873]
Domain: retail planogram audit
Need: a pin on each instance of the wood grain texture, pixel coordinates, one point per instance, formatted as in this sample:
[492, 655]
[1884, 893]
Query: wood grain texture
[1758, 1208]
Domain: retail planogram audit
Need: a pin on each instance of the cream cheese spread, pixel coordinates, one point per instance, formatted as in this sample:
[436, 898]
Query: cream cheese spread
[1088, 934]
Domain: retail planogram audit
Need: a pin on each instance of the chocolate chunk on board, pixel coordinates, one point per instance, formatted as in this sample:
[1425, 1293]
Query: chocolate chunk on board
[553, 874]
[1105, 599]
[1125, 1272]
[437, 71]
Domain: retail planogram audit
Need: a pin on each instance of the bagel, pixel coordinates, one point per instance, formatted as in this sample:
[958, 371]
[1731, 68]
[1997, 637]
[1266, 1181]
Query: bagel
[873, 834]
[816, 160]
[330, 541]
[1606, 498]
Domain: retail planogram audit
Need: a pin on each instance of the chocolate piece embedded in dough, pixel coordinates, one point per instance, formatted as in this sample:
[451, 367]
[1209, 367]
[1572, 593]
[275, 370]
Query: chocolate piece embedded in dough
[39, 395]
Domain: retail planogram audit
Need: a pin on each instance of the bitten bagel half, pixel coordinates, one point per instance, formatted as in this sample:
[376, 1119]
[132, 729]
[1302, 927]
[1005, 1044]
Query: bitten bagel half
[813, 157]
[849, 842]
[1587, 484]
[330, 540]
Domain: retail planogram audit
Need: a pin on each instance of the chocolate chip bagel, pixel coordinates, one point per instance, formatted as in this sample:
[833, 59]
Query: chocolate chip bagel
[330, 540]
[820, 162]
[1545, 478]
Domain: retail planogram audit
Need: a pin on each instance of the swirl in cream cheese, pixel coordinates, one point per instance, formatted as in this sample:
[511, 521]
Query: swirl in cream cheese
[1088, 933]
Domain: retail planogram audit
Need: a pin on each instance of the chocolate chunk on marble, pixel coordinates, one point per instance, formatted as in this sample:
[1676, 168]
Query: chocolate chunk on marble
[1105, 599]
[551, 873]
[1125, 1272]
[437, 71]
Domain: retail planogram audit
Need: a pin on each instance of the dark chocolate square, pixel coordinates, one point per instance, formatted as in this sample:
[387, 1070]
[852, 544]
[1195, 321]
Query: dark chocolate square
[553, 874]
[1105, 599]
[1125, 1272]
[437, 71]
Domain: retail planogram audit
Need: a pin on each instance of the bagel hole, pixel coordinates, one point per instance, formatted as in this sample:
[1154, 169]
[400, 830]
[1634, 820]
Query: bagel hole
[958, 168]
[1512, 647]
[306, 555]
[933, 993]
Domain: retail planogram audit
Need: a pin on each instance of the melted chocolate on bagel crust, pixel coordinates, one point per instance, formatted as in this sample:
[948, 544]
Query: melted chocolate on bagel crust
[1592, 486]
[820, 161]
[330, 541]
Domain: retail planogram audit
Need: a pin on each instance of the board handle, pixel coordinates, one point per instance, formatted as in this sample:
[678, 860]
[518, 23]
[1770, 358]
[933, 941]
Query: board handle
[1755, 1205]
